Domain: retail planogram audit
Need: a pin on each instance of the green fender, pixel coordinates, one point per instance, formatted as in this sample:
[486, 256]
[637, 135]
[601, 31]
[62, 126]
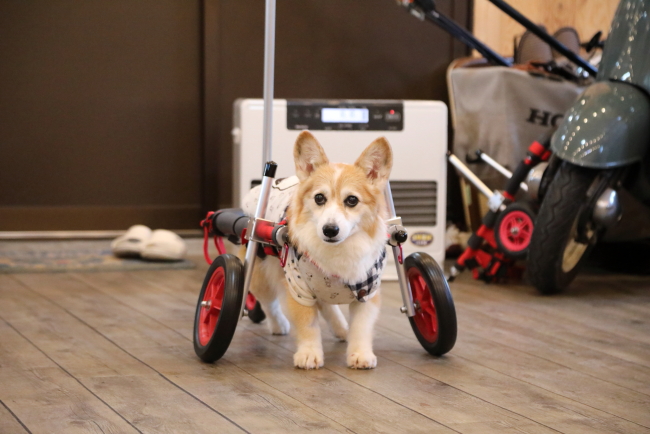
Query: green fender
[608, 126]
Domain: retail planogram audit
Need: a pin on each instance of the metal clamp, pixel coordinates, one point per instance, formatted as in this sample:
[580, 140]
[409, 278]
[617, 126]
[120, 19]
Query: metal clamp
[260, 230]
[397, 234]
[495, 202]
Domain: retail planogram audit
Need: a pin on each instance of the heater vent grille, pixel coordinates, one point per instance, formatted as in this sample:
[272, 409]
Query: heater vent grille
[416, 202]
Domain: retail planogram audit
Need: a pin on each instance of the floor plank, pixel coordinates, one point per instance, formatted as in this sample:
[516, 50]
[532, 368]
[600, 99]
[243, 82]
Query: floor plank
[450, 407]
[520, 306]
[112, 352]
[9, 422]
[123, 382]
[527, 378]
[148, 303]
[494, 326]
[352, 406]
[33, 388]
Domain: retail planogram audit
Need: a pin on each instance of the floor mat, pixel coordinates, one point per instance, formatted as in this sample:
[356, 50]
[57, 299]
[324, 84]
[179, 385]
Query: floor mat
[63, 256]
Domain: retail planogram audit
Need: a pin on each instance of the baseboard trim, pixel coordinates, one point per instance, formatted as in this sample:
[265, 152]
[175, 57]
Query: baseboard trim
[98, 218]
[80, 235]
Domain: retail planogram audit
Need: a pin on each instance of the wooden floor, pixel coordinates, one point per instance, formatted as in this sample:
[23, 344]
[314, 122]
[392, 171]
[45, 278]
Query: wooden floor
[112, 353]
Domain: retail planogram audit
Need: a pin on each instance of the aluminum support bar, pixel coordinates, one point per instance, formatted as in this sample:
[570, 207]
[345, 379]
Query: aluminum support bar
[464, 170]
[251, 248]
[505, 172]
[407, 295]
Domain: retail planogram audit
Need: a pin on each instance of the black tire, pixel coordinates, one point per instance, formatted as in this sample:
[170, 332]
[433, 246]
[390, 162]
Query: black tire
[214, 329]
[513, 230]
[434, 304]
[548, 269]
[255, 314]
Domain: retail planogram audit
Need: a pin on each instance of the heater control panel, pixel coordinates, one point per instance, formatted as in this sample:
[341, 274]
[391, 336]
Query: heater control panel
[350, 115]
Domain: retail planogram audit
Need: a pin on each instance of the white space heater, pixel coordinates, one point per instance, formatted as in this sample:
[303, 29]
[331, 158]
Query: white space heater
[416, 130]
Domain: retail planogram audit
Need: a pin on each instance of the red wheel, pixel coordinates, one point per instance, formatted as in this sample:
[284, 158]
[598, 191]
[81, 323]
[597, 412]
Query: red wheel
[217, 310]
[255, 312]
[425, 317]
[434, 323]
[513, 230]
[211, 305]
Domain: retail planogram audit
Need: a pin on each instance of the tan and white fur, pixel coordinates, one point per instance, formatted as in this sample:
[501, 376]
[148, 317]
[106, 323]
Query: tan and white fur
[349, 254]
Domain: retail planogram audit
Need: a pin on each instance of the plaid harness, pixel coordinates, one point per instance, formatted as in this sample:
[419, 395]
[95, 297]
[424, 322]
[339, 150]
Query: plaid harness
[309, 284]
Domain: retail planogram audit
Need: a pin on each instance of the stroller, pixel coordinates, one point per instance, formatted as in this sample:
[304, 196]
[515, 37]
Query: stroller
[506, 229]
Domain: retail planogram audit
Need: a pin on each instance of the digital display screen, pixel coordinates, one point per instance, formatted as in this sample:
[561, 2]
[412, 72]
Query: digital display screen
[345, 115]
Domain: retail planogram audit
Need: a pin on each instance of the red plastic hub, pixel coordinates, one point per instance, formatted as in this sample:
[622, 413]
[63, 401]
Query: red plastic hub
[425, 317]
[516, 230]
[211, 306]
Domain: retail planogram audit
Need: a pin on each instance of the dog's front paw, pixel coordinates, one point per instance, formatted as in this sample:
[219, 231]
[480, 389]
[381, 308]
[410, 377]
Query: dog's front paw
[279, 326]
[362, 360]
[308, 358]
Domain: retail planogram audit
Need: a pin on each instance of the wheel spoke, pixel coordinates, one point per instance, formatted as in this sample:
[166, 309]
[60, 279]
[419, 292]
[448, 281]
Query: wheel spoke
[217, 302]
[432, 321]
[211, 306]
[425, 313]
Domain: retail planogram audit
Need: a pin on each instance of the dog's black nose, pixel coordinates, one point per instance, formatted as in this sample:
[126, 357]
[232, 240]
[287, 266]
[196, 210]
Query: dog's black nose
[330, 230]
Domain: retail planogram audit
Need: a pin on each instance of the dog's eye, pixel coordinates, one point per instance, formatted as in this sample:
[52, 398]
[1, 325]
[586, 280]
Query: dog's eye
[320, 199]
[351, 201]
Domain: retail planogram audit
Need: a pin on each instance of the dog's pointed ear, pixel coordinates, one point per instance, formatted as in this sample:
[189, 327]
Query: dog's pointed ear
[308, 155]
[376, 161]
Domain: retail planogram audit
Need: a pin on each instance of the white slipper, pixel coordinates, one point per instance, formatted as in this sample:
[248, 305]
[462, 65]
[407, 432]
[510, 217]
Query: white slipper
[164, 245]
[132, 242]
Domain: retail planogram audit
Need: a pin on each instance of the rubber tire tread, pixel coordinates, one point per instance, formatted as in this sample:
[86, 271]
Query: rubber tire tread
[562, 202]
[230, 308]
[442, 299]
[257, 315]
[521, 254]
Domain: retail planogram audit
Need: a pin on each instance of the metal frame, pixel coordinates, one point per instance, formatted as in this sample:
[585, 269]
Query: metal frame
[540, 33]
[269, 175]
[426, 9]
[270, 166]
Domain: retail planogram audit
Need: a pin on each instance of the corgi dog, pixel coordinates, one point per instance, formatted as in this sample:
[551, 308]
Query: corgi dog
[336, 217]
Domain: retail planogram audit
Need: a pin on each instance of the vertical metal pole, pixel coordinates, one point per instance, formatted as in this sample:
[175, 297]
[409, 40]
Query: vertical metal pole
[269, 68]
[407, 296]
[269, 166]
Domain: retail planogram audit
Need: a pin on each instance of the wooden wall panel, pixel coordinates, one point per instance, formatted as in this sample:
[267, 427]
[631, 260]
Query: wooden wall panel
[498, 30]
[100, 114]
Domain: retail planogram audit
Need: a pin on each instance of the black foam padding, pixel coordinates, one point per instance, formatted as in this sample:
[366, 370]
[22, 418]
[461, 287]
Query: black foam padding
[230, 222]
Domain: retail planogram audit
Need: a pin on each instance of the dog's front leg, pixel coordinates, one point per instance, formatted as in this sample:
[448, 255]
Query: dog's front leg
[310, 347]
[362, 322]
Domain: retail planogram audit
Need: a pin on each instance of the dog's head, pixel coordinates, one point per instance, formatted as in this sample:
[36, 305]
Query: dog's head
[337, 201]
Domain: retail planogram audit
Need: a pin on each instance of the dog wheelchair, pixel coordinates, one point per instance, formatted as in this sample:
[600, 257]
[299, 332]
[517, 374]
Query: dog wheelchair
[224, 296]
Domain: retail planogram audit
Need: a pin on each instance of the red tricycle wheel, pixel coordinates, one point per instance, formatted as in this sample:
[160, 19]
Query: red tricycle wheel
[514, 230]
[218, 308]
[434, 322]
